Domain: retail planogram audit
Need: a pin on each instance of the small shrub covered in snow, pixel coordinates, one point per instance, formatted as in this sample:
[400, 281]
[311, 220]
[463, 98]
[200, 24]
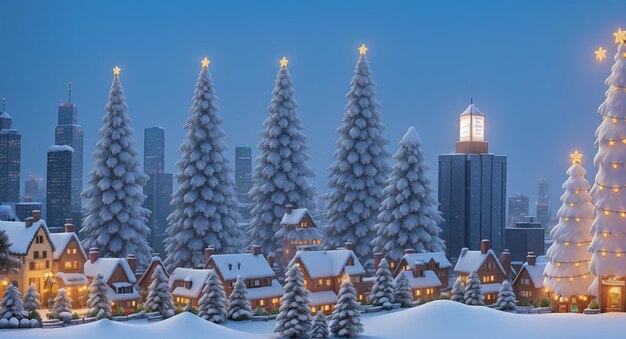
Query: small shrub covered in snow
[458, 291]
[382, 291]
[213, 303]
[473, 293]
[506, 298]
[62, 309]
[32, 303]
[346, 319]
[98, 301]
[593, 305]
[320, 326]
[159, 295]
[294, 319]
[11, 305]
[402, 291]
[238, 303]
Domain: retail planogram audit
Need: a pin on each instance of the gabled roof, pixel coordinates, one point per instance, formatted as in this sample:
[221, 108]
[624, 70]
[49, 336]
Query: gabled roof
[21, 237]
[428, 280]
[106, 267]
[197, 278]
[246, 265]
[61, 240]
[535, 272]
[471, 109]
[328, 263]
[470, 261]
[425, 257]
[296, 216]
[274, 290]
[156, 261]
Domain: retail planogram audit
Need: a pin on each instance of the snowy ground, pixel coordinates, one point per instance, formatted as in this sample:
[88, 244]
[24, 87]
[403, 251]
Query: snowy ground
[438, 319]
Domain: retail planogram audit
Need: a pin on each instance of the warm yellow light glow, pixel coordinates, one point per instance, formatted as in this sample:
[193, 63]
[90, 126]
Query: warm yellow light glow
[611, 142]
[283, 62]
[558, 264]
[571, 204]
[616, 189]
[556, 297]
[577, 219]
[604, 253]
[600, 187]
[620, 36]
[577, 264]
[576, 192]
[362, 49]
[578, 244]
[605, 234]
[615, 120]
[606, 212]
[576, 157]
[116, 71]
[571, 279]
[618, 254]
[623, 214]
[566, 218]
[566, 243]
[558, 279]
[614, 165]
[584, 276]
[600, 54]
[205, 62]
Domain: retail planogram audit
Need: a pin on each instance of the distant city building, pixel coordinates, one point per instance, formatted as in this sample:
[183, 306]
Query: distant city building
[33, 189]
[243, 180]
[154, 150]
[523, 237]
[24, 210]
[472, 189]
[518, 208]
[10, 158]
[543, 204]
[58, 186]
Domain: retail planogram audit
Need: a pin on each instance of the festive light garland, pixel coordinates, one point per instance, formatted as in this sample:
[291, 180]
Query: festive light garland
[567, 243]
[570, 278]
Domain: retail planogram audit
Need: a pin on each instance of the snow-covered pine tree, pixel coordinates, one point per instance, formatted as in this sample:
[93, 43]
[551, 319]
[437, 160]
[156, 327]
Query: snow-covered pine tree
[506, 298]
[346, 319]
[294, 319]
[62, 309]
[359, 173]
[238, 303]
[320, 326]
[98, 301]
[205, 206]
[608, 244]
[159, 295]
[212, 305]
[566, 273]
[11, 304]
[402, 290]
[8, 264]
[382, 291]
[115, 220]
[458, 291]
[31, 302]
[280, 172]
[409, 216]
[473, 291]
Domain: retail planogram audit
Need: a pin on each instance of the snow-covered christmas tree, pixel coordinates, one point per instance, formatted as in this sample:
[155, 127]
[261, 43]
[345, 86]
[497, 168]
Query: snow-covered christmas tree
[608, 245]
[346, 319]
[115, 220]
[212, 305]
[31, 302]
[8, 264]
[359, 173]
[205, 207]
[473, 291]
[238, 303]
[506, 298]
[11, 304]
[280, 172]
[409, 216]
[402, 290]
[159, 295]
[567, 272]
[320, 326]
[458, 291]
[62, 309]
[382, 291]
[294, 318]
[98, 301]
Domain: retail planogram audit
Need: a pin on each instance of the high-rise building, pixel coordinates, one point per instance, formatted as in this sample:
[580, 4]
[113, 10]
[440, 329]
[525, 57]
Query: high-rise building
[33, 189]
[523, 237]
[58, 186]
[472, 189]
[158, 190]
[243, 180]
[24, 210]
[69, 133]
[518, 208]
[543, 203]
[10, 158]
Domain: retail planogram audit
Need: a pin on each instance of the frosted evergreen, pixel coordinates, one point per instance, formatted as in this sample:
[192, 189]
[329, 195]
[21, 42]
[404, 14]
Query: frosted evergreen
[382, 291]
[212, 305]
[409, 216]
[402, 292]
[62, 306]
[32, 301]
[458, 291]
[359, 173]
[159, 296]
[8, 264]
[280, 172]
[238, 303]
[320, 326]
[205, 206]
[473, 292]
[115, 221]
[98, 301]
[294, 319]
[346, 319]
[506, 298]
[11, 304]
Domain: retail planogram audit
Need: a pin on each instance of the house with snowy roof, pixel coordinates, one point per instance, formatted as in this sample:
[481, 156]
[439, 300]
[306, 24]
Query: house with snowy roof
[425, 284]
[119, 274]
[68, 263]
[186, 285]
[528, 284]
[145, 278]
[436, 262]
[32, 246]
[264, 291]
[486, 264]
[298, 231]
[323, 273]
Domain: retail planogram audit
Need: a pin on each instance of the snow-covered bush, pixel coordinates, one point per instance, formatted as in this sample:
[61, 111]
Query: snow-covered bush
[473, 291]
[11, 304]
[402, 292]
[294, 318]
[346, 319]
[32, 303]
[458, 291]
[62, 309]
[212, 305]
[159, 295]
[382, 291]
[506, 298]
[98, 301]
[238, 303]
[320, 326]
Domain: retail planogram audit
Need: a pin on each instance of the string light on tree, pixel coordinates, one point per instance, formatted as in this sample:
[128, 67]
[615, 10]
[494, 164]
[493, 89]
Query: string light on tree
[600, 54]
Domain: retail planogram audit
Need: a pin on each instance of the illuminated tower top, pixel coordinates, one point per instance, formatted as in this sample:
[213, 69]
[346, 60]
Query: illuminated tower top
[472, 131]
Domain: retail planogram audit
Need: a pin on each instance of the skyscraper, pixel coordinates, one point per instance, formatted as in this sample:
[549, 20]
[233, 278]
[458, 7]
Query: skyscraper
[543, 204]
[158, 190]
[472, 189]
[10, 158]
[518, 208]
[243, 180]
[33, 189]
[58, 186]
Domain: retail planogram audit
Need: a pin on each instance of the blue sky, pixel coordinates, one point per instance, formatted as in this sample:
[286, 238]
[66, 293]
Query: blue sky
[529, 65]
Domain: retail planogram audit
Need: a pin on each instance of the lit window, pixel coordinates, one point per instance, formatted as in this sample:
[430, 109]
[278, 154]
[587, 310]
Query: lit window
[73, 251]
[275, 301]
[261, 302]
[418, 293]
[492, 278]
[313, 309]
[133, 303]
[327, 282]
[327, 308]
[68, 251]
[257, 282]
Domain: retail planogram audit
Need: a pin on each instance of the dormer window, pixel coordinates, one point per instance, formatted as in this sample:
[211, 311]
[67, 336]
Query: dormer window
[238, 265]
[230, 267]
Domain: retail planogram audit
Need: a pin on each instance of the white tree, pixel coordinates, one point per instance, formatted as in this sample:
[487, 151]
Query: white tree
[280, 172]
[506, 298]
[359, 173]
[212, 305]
[382, 291]
[409, 216]
[294, 318]
[8, 264]
[205, 206]
[473, 291]
[159, 295]
[458, 291]
[11, 304]
[115, 220]
[402, 292]
[346, 319]
[98, 301]
[320, 326]
[566, 273]
[238, 303]
[32, 301]
[62, 309]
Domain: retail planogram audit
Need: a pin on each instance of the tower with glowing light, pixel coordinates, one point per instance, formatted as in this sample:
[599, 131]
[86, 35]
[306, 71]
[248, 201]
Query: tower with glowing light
[608, 246]
[566, 275]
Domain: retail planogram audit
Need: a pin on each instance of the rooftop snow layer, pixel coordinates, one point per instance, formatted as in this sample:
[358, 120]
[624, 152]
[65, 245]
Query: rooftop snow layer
[535, 271]
[106, 267]
[428, 280]
[328, 263]
[425, 257]
[246, 265]
[61, 240]
[60, 148]
[470, 261]
[295, 216]
[274, 290]
[21, 236]
[72, 279]
[196, 276]
[322, 298]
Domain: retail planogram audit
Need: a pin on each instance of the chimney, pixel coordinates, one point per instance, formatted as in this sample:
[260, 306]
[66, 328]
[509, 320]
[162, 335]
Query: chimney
[69, 225]
[418, 269]
[348, 245]
[94, 253]
[409, 251]
[505, 261]
[484, 246]
[132, 262]
[208, 252]
[377, 258]
[28, 222]
[531, 258]
[36, 215]
[270, 259]
[288, 208]
[256, 249]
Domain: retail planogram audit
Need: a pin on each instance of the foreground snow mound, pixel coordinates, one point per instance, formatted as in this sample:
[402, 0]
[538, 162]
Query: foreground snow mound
[184, 323]
[433, 320]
